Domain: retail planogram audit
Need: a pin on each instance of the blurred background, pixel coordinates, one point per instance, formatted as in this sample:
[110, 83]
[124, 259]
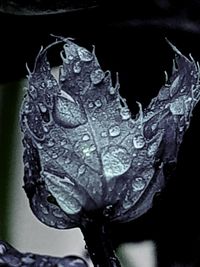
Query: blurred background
[130, 39]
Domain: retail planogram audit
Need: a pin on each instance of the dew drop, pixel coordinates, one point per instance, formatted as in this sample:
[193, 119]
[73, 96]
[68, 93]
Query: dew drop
[28, 259]
[114, 131]
[98, 103]
[2, 249]
[97, 76]
[81, 170]
[33, 91]
[42, 107]
[104, 134]
[125, 113]
[86, 137]
[138, 184]
[116, 160]
[77, 67]
[138, 141]
[84, 54]
[50, 143]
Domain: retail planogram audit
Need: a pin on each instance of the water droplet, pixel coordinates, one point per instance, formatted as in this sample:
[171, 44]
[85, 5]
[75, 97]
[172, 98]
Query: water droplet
[125, 113]
[67, 160]
[70, 57]
[86, 137]
[33, 91]
[98, 103]
[2, 249]
[50, 143]
[92, 148]
[138, 141]
[97, 76]
[28, 259]
[112, 90]
[116, 161]
[138, 184]
[54, 155]
[42, 107]
[104, 134]
[90, 105]
[77, 67]
[84, 54]
[27, 107]
[44, 209]
[177, 107]
[46, 129]
[39, 145]
[81, 170]
[63, 142]
[114, 131]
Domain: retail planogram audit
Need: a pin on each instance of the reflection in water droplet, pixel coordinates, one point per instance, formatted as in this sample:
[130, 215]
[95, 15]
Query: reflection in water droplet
[97, 76]
[116, 161]
[138, 141]
[2, 249]
[138, 184]
[86, 137]
[84, 54]
[114, 131]
[77, 67]
[125, 113]
[98, 103]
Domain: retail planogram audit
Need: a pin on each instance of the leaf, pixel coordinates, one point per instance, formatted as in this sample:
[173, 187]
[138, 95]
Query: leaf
[11, 257]
[91, 154]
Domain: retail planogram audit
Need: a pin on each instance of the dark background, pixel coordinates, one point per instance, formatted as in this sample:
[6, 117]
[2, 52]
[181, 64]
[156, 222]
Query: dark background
[129, 39]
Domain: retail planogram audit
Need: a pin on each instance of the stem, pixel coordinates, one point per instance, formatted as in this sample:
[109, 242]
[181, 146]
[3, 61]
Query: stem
[99, 244]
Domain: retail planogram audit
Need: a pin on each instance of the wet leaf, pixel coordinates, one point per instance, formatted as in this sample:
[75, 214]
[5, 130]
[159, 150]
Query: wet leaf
[83, 149]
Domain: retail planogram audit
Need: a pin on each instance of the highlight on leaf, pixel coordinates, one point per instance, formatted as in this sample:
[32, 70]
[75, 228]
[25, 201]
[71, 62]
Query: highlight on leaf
[83, 149]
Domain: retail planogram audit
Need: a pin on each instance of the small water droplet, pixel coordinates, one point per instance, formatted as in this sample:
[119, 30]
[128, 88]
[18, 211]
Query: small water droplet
[27, 107]
[81, 170]
[2, 249]
[42, 107]
[77, 67]
[70, 57]
[84, 54]
[28, 259]
[67, 160]
[90, 105]
[92, 148]
[39, 145]
[112, 90]
[125, 113]
[54, 155]
[114, 131]
[33, 91]
[97, 76]
[63, 142]
[50, 143]
[86, 137]
[46, 129]
[98, 103]
[138, 141]
[104, 134]
[138, 184]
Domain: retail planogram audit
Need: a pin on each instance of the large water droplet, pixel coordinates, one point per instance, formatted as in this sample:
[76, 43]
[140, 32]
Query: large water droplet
[98, 103]
[116, 161]
[138, 184]
[84, 54]
[114, 130]
[177, 107]
[77, 67]
[2, 249]
[138, 141]
[125, 113]
[97, 76]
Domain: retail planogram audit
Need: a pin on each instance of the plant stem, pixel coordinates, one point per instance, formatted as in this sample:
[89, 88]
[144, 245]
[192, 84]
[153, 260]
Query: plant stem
[99, 244]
